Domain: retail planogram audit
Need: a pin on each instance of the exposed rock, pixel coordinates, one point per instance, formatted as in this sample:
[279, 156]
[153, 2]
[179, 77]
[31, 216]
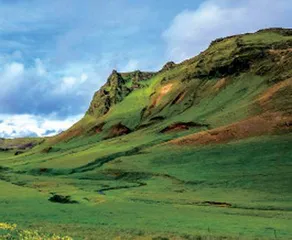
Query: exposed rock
[181, 126]
[118, 130]
[115, 90]
[168, 66]
[96, 129]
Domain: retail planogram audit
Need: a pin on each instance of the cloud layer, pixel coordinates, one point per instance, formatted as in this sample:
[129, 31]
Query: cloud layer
[12, 126]
[192, 30]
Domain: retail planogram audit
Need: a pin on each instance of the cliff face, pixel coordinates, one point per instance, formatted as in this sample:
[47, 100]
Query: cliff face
[117, 87]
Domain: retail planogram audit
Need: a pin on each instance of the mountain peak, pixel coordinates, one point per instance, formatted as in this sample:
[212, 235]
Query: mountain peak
[169, 65]
[114, 72]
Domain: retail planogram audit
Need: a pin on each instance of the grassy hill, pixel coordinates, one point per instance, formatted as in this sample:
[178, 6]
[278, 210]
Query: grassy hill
[197, 150]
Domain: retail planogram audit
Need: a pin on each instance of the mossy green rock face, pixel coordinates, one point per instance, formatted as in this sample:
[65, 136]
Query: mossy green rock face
[117, 87]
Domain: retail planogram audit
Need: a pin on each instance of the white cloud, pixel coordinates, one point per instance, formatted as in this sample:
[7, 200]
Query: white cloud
[192, 31]
[13, 126]
[83, 77]
[70, 83]
[10, 76]
[39, 88]
[132, 65]
[13, 70]
[40, 67]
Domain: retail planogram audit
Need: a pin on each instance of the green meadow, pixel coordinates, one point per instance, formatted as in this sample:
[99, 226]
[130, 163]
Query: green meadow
[237, 190]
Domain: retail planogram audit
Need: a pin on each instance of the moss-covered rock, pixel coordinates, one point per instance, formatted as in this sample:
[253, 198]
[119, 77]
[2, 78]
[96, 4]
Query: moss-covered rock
[117, 87]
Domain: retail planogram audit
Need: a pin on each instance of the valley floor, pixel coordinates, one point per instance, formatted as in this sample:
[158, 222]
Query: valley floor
[239, 190]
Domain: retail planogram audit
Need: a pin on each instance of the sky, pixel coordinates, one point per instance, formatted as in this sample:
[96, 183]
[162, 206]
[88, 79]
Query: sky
[55, 54]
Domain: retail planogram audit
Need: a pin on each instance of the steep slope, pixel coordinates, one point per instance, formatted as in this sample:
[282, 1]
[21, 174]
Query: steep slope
[235, 78]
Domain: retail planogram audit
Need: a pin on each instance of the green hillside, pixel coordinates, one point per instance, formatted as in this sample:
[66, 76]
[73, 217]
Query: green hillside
[198, 150]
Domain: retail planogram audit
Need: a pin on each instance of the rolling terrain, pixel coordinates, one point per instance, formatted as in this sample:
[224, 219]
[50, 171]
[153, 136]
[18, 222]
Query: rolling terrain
[198, 150]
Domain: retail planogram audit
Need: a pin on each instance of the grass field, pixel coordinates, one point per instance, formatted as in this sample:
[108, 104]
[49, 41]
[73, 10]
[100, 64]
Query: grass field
[241, 189]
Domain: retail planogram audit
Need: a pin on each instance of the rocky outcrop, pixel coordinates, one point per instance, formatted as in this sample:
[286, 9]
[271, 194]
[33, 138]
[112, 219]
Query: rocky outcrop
[117, 87]
[168, 66]
[118, 130]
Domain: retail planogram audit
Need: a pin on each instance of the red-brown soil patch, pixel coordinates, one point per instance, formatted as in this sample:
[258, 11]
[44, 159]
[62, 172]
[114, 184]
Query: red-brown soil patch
[166, 89]
[279, 51]
[254, 126]
[267, 96]
[118, 130]
[220, 84]
[97, 129]
[67, 135]
[181, 126]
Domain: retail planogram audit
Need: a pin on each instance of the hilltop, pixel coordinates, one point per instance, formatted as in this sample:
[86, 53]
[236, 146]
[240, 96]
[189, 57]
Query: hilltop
[236, 78]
